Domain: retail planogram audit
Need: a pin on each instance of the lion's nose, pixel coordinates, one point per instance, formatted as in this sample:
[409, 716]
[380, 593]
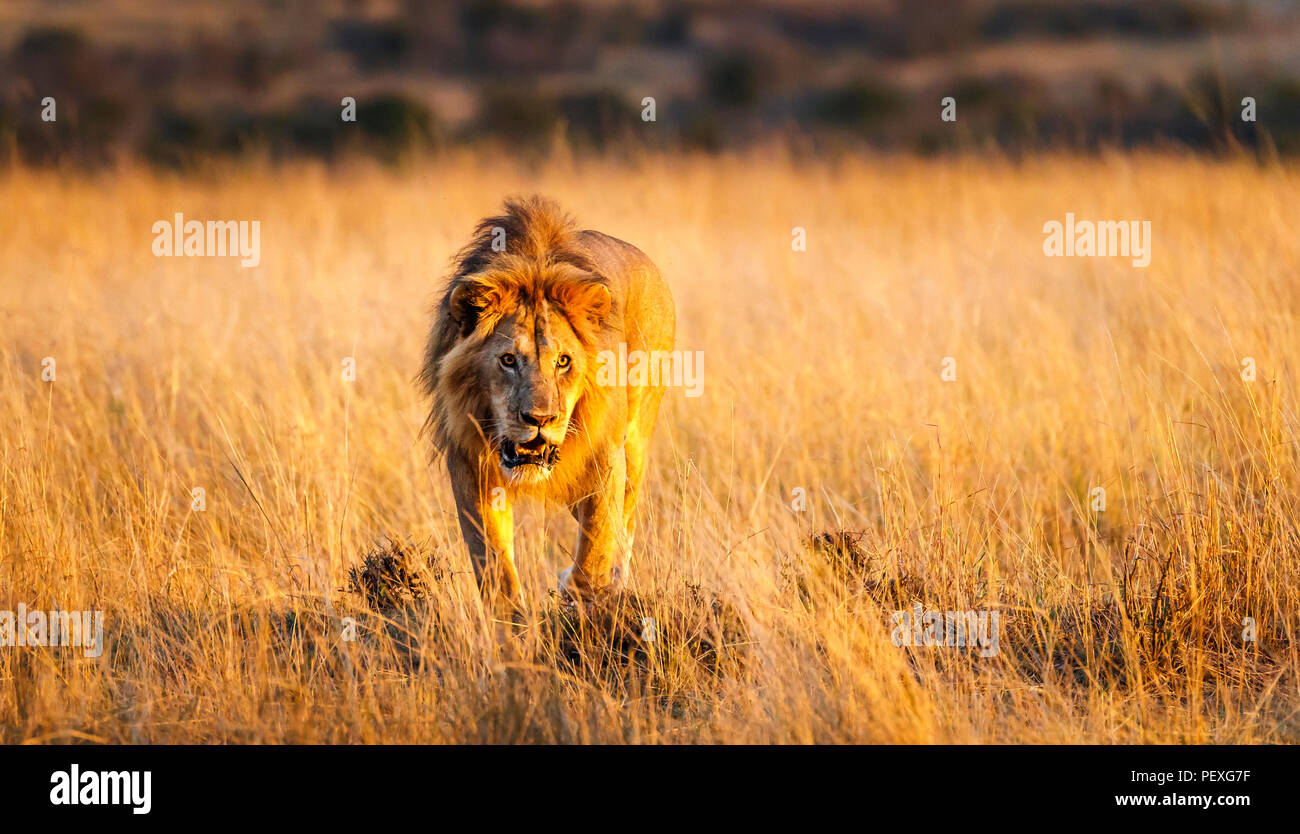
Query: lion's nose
[538, 418]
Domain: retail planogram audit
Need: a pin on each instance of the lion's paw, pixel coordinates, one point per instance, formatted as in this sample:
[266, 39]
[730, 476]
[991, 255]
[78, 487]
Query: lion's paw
[569, 589]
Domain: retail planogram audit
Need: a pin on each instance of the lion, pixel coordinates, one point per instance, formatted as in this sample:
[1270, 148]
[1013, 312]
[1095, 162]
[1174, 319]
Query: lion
[532, 309]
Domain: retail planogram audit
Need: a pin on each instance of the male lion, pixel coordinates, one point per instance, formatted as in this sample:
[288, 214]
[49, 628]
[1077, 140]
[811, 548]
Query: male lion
[511, 365]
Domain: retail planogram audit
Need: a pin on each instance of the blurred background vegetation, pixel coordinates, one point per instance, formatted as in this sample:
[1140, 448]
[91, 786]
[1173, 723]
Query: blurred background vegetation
[174, 82]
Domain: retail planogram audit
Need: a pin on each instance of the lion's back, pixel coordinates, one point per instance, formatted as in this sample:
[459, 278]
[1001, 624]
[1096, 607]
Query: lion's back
[639, 288]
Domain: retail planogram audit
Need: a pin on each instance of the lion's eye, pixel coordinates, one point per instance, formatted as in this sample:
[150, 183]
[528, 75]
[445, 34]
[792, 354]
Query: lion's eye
[508, 359]
[563, 362]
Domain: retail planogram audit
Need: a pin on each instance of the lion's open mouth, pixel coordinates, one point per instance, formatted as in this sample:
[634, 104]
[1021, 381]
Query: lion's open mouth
[535, 452]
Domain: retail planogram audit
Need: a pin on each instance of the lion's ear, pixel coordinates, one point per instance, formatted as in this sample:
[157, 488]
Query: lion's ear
[595, 301]
[471, 299]
[465, 305]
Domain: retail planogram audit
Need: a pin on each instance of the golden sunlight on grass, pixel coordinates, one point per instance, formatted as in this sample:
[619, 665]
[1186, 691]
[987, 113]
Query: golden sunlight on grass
[821, 374]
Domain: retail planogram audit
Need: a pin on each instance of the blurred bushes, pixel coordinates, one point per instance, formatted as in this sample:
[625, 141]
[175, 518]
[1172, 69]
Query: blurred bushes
[600, 119]
[859, 105]
[1083, 18]
[821, 75]
[373, 44]
[521, 116]
[734, 80]
[386, 127]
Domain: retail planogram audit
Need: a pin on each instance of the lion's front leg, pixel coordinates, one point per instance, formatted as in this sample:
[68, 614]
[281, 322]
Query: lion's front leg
[601, 539]
[487, 524]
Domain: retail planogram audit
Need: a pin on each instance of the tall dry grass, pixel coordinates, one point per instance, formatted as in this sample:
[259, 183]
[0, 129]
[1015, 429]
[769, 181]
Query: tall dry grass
[822, 372]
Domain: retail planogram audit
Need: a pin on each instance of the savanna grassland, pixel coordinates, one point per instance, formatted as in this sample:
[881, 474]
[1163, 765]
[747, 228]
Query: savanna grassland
[822, 381]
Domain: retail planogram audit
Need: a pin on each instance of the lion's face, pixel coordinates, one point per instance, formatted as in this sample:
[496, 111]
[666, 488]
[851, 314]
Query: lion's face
[532, 366]
[522, 361]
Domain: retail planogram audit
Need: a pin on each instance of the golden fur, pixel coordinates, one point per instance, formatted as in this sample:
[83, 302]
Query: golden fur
[511, 365]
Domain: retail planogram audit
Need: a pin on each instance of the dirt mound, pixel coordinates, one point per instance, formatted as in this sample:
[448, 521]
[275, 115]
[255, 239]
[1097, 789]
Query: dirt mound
[663, 641]
[395, 573]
